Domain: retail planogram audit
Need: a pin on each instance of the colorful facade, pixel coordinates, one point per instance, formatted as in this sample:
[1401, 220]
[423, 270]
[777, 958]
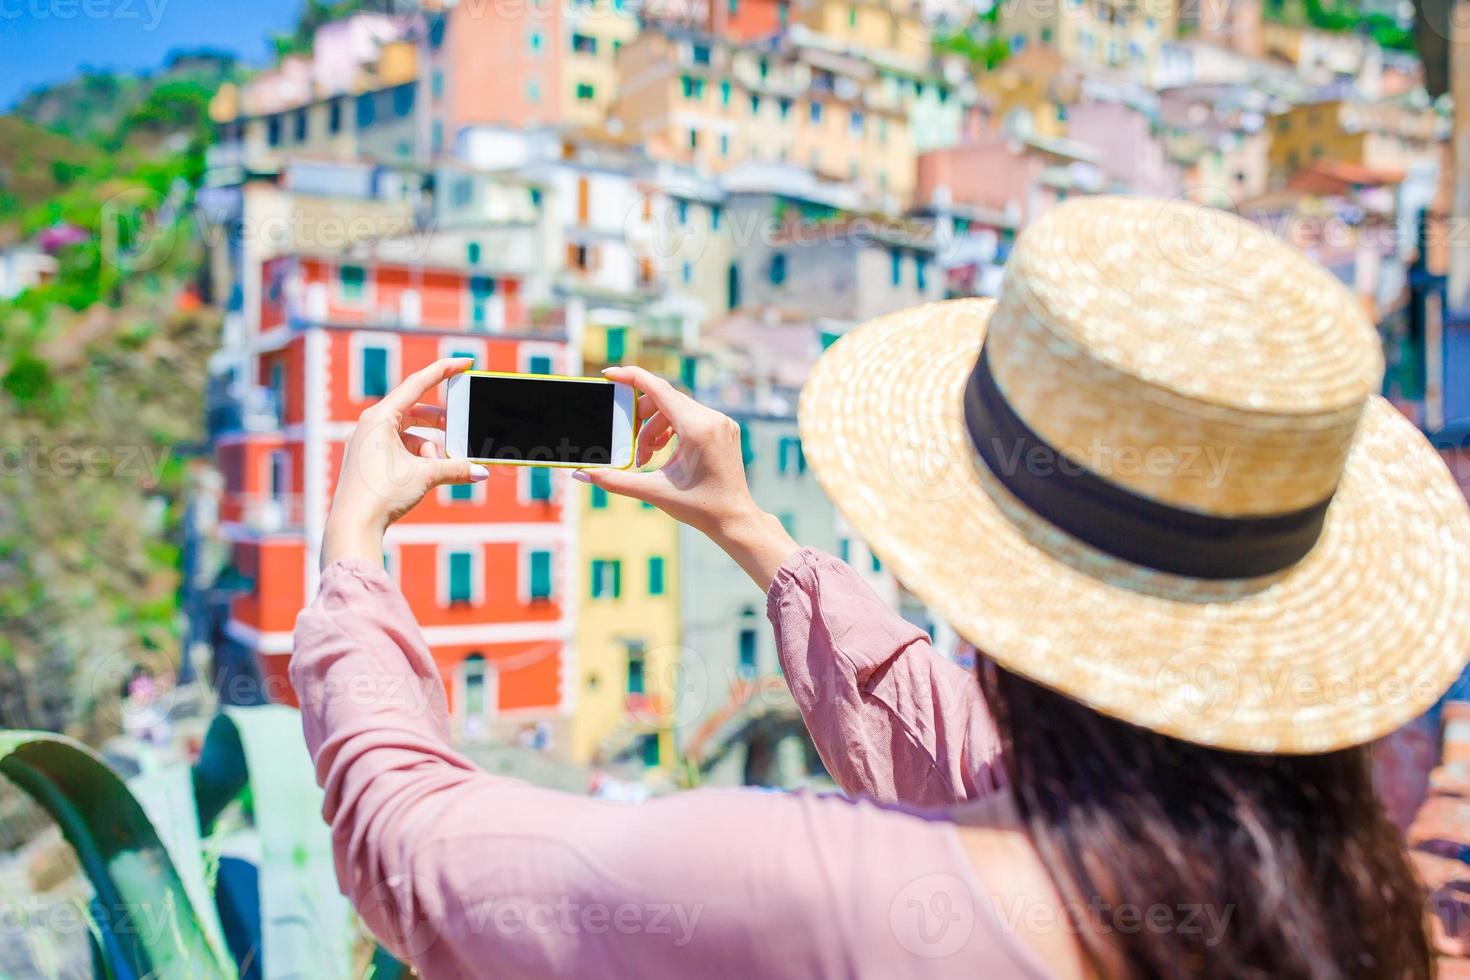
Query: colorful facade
[487, 568]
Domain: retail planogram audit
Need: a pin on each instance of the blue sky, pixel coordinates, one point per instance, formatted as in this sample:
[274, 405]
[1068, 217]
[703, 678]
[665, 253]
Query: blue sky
[49, 40]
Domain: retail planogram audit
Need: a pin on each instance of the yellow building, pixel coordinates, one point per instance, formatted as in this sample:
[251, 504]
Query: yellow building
[874, 25]
[628, 652]
[1120, 34]
[596, 32]
[1383, 136]
[1026, 94]
[698, 100]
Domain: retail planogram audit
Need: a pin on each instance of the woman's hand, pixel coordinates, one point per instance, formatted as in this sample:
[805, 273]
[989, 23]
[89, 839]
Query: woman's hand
[703, 483]
[385, 470]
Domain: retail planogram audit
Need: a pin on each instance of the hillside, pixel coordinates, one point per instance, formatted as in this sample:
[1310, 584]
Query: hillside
[37, 165]
[107, 108]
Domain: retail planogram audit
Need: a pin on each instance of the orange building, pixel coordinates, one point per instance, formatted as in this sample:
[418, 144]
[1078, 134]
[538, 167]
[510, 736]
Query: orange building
[748, 20]
[486, 568]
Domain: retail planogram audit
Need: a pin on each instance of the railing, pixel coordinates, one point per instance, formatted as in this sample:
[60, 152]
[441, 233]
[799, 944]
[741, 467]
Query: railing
[264, 513]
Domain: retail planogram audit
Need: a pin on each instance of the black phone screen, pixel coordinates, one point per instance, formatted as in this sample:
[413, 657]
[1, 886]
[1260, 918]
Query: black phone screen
[540, 421]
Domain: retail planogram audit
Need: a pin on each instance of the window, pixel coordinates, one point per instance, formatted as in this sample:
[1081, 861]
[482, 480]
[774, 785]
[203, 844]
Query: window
[537, 40]
[585, 92]
[436, 84]
[353, 283]
[765, 68]
[280, 474]
[584, 44]
[461, 577]
[714, 218]
[844, 549]
[648, 749]
[755, 105]
[540, 480]
[733, 7]
[374, 372]
[538, 364]
[655, 576]
[599, 498]
[877, 563]
[607, 578]
[921, 272]
[682, 208]
[540, 566]
[436, 135]
[852, 17]
[724, 144]
[700, 54]
[688, 371]
[367, 110]
[1046, 35]
[1018, 42]
[791, 458]
[688, 273]
[334, 116]
[617, 344]
[636, 683]
[482, 288]
[815, 112]
[694, 139]
[785, 106]
[788, 521]
[475, 678]
[273, 131]
[300, 125]
[403, 100]
[461, 491]
[746, 452]
[778, 269]
[745, 664]
[472, 253]
[855, 124]
[724, 93]
[895, 267]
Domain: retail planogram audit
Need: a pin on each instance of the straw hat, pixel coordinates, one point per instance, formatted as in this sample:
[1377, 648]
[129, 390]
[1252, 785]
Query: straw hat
[1168, 490]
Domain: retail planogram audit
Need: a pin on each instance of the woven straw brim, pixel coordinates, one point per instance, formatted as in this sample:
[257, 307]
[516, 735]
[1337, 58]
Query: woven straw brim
[1359, 637]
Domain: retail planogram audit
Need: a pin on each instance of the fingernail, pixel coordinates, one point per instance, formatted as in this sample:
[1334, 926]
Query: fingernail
[581, 476]
[478, 472]
[607, 369]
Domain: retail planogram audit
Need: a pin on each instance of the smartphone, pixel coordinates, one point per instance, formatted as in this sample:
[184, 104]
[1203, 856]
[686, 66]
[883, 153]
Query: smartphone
[540, 420]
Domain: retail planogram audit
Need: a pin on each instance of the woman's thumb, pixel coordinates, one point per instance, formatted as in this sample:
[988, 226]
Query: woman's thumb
[628, 483]
[458, 471]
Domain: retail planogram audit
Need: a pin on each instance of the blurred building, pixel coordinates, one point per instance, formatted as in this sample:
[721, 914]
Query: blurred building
[336, 332]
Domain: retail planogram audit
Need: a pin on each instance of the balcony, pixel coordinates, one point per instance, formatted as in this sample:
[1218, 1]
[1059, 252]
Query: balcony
[233, 407]
[265, 513]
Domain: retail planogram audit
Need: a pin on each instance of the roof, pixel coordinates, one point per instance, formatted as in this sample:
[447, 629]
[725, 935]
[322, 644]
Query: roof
[1339, 176]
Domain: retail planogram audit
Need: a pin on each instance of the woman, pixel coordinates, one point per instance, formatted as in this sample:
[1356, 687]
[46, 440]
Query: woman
[1151, 483]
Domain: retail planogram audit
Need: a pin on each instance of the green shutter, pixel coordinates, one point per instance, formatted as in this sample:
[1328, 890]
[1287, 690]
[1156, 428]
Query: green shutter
[461, 491]
[617, 578]
[540, 575]
[461, 576]
[617, 344]
[655, 576]
[374, 372]
[353, 281]
[540, 483]
[539, 364]
[599, 498]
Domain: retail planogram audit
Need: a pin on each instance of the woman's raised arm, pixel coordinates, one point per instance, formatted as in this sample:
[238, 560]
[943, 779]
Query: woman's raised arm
[889, 716]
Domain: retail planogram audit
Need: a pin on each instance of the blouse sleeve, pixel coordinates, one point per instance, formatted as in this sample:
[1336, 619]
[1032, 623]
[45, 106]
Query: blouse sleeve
[890, 717]
[464, 873]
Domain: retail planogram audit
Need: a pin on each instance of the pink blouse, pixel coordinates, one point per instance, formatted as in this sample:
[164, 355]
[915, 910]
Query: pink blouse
[464, 873]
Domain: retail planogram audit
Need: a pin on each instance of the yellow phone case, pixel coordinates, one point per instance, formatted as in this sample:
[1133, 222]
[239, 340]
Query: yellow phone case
[633, 451]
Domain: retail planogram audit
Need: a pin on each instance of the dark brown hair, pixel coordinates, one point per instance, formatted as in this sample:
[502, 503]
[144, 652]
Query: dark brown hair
[1186, 861]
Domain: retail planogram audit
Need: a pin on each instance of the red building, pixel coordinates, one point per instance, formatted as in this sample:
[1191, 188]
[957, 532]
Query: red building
[485, 567]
